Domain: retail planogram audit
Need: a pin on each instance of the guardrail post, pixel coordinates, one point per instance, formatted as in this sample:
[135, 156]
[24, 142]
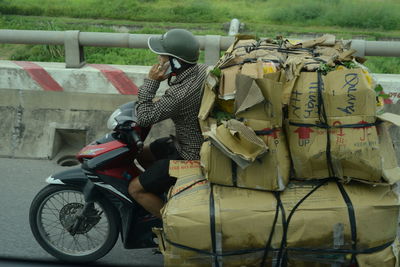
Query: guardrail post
[74, 56]
[234, 27]
[212, 49]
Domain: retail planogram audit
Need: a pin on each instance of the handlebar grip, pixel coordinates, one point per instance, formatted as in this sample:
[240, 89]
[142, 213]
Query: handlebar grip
[136, 139]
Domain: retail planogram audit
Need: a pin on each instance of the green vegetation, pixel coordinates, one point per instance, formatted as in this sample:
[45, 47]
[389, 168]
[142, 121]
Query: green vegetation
[367, 19]
[383, 14]
[356, 14]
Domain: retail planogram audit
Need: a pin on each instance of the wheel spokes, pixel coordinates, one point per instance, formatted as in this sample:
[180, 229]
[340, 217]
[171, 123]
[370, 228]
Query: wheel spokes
[59, 211]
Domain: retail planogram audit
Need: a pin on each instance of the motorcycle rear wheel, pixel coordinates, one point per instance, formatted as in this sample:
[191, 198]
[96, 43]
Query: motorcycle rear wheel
[54, 211]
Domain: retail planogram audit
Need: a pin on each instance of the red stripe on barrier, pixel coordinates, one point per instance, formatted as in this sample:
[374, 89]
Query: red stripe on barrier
[118, 78]
[40, 75]
[387, 101]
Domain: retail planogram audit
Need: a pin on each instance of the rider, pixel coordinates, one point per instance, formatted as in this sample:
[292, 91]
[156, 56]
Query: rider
[178, 52]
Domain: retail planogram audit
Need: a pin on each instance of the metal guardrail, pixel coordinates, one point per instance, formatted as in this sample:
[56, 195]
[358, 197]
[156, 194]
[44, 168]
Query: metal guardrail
[74, 41]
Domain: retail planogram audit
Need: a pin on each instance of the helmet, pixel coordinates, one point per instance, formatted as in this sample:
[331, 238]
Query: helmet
[177, 43]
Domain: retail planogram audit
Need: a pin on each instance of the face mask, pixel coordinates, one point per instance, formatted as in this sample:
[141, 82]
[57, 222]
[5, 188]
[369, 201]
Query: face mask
[169, 70]
[174, 65]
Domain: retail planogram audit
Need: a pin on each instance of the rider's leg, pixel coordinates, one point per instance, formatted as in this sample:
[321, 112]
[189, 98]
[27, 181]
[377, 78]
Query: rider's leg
[151, 202]
[147, 188]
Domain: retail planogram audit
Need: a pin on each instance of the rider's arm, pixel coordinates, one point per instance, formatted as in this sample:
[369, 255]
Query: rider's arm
[149, 111]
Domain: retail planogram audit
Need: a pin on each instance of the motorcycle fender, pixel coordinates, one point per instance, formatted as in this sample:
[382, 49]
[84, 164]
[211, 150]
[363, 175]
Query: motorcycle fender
[73, 176]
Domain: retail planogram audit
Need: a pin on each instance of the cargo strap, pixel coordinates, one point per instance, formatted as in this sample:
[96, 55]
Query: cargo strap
[212, 226]
[234, 173]
[259, 46]
[325, 126]
[294, 249]
[282, 255]
[188, 187]
[352, 219]
[271, 233]
[265, 132]
[250, 60]
[343, 251]
[324, 120]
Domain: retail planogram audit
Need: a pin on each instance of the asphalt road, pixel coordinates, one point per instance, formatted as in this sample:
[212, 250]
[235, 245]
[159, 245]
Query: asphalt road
[20, 180]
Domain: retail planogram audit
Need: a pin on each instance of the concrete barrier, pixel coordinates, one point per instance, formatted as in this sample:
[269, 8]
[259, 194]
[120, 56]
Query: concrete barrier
[92, 78]
[49, 111]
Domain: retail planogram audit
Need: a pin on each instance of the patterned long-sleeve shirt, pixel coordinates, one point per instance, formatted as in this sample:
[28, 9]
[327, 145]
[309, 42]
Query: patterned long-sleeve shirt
[181, 103]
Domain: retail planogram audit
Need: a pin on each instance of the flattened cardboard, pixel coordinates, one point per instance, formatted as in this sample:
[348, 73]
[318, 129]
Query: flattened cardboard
[248, 93]
[227, 86]
[253, 70]
[184, 168]
[239, 47]
[217, 167]
[384, 258]
[207, 102]
[391, 169]
[327, 39]
[238, 142]
[272, 91]
[261, 111]
[390, 117]
[243, 220]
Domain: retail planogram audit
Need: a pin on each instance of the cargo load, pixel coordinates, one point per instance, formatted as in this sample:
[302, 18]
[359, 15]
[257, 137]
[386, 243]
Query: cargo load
[323, 221]
[318, 102]
[332, 118]
[241, 117]
[297, 168]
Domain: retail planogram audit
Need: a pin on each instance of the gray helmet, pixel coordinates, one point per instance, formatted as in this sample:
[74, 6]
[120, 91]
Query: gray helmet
[177, 43]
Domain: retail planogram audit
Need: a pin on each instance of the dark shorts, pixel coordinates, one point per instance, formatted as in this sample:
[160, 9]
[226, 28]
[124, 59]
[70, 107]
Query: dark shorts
[156, 178]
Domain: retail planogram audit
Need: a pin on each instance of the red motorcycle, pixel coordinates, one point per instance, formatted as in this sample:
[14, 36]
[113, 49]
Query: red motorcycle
[80, 214]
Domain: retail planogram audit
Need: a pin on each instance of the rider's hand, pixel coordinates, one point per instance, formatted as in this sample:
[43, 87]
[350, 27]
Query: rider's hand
[157, 71]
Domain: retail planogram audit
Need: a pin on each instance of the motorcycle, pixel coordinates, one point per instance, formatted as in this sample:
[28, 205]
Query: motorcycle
[79, 215]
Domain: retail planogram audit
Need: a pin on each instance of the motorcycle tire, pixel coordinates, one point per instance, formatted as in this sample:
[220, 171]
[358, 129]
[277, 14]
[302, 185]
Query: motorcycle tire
[37, 212]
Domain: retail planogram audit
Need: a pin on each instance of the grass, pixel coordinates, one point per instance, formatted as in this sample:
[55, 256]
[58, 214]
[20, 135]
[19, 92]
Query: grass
[367, 19]
[383, 14]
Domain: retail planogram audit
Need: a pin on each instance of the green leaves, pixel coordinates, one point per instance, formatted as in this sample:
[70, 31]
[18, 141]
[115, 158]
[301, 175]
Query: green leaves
[325, 68]
[380, 93]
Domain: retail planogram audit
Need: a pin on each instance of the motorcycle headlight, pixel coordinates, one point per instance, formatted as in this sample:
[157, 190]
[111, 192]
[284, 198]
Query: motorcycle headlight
[112, 123]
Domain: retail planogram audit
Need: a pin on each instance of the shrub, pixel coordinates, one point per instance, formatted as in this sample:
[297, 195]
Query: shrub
[298, 11]
[364, 15]
[200, 11]
[383, 64]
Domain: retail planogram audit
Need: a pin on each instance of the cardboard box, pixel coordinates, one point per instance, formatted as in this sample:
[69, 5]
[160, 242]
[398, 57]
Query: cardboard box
[242, 220]
[391, 169]
[365, 154]
[345, 93]
[354, 152]
[184, 168]
[269, 172]
[255, 98]
[238, 142]
[247, 58]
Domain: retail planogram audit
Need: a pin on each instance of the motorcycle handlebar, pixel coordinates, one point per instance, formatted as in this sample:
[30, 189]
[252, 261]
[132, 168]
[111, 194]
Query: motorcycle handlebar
[136, 139]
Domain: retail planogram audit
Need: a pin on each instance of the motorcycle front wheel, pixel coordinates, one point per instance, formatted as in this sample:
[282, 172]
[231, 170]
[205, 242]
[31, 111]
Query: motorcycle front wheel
[53, 219]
